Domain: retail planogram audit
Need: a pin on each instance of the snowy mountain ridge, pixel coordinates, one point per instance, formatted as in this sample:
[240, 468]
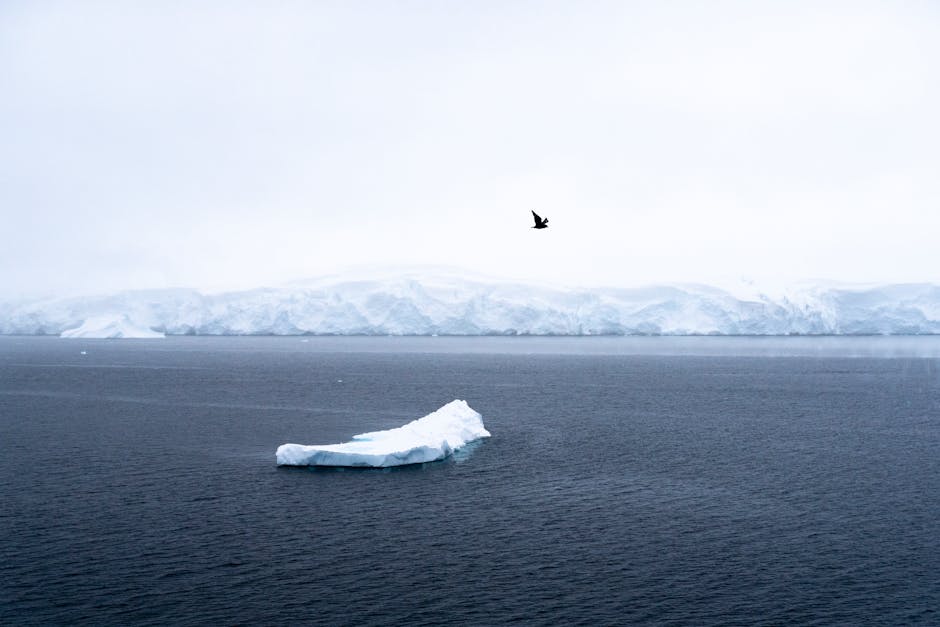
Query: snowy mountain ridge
[446, 305]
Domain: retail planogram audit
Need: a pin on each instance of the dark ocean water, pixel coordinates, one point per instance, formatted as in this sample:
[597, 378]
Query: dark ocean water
[674, 481]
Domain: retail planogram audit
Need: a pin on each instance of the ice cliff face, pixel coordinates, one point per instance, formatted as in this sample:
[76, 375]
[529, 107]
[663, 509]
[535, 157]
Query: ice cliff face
[111, 328]
[453, 306]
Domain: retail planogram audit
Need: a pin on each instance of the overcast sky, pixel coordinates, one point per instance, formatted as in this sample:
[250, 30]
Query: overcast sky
[225, 144]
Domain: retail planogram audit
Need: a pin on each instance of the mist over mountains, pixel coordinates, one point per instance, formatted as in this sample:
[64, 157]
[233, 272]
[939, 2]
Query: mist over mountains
[453, 305]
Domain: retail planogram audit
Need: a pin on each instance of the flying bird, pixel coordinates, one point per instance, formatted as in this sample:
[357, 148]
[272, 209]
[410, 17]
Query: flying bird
[540, 223]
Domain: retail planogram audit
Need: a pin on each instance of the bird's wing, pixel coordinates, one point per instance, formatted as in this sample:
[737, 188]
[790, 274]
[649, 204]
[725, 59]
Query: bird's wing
[536, 216]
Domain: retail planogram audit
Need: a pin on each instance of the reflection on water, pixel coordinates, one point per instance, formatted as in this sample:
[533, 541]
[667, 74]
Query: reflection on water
[877, 346]
[758, 346]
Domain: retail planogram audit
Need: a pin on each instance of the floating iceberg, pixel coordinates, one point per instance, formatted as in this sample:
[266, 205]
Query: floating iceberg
[108, 327]
[427, 439]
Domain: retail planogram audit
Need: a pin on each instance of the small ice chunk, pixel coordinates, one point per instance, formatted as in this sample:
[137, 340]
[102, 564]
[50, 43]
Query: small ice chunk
[427, 439]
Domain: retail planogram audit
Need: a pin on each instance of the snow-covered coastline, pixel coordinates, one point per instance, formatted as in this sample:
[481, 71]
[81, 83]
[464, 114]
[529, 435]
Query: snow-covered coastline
[429, 305]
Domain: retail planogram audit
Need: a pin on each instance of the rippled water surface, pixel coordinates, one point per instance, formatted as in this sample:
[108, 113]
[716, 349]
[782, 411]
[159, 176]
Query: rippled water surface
[699, 481]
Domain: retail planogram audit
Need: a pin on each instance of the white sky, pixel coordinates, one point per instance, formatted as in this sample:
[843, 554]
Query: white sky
[218, 144]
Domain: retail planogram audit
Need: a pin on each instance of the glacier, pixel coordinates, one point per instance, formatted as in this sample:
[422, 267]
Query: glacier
[428, 439]
[428, 304]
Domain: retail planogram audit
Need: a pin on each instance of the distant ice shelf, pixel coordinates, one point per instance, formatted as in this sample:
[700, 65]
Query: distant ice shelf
[428, 439]
[455, 305]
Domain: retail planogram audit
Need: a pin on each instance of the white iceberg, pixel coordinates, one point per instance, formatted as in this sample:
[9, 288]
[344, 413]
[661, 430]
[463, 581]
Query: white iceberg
[427, 439]
[109, 327]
